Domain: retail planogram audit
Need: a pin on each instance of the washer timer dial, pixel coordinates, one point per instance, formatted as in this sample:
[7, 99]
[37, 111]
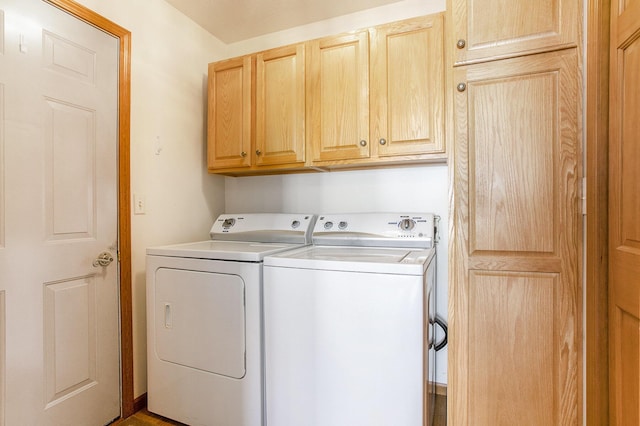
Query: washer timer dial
[406, 224]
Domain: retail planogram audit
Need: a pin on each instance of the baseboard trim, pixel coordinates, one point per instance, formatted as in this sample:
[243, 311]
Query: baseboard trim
[140, 403]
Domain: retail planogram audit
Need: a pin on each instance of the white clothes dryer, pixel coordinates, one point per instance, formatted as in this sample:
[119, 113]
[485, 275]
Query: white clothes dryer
[349, 324]
[204, 308]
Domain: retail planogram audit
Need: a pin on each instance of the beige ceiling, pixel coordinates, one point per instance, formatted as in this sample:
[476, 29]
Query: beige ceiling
[236, 20]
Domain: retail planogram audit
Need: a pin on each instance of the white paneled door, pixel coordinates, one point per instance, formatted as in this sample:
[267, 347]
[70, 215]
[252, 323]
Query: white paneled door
[59, 345]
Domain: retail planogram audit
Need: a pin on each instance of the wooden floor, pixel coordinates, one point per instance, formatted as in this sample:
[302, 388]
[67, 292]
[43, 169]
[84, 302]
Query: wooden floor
[145, 418]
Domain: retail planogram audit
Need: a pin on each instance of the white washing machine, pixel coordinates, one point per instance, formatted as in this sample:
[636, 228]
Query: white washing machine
[349, 324]
[204, 308]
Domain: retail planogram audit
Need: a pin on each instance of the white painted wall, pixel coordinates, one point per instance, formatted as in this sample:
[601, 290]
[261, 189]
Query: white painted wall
[420, 188]
[168, 120]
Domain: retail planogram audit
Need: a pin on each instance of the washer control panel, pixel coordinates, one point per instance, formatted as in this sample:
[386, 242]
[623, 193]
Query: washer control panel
[377, 229]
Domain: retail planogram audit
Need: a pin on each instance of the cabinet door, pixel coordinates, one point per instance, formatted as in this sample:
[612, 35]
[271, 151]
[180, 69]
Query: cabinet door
[407, 87]
[338, 100]
[491, 29]
[280, 106]
[229, 114]
[515, 298]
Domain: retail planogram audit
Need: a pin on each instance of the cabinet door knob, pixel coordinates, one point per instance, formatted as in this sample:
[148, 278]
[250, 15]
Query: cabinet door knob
[382, 141]
[461, 87]
[461, 44]
[258, 152]
[363, 143]
[243, 154]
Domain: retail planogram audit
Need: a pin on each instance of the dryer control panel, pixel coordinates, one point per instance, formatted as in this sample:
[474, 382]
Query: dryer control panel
[377, 229]
[264, 227]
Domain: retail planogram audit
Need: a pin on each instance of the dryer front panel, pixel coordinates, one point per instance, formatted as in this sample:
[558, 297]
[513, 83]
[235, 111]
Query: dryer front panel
[200, 320]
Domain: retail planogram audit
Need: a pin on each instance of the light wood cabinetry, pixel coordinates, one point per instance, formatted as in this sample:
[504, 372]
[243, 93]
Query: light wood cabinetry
[230, 113]
[515, 308]
[515, 298]
[407, 88]
[493, 29]
[368, 98]
[256, 112]
[377, 96]
[280, 107]
[338, 97]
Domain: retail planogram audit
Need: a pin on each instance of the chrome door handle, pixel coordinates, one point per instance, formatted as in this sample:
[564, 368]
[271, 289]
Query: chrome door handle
[104, 259]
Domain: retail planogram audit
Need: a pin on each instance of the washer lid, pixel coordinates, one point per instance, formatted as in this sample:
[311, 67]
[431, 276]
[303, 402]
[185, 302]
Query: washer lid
[383, 260]
[245, 251]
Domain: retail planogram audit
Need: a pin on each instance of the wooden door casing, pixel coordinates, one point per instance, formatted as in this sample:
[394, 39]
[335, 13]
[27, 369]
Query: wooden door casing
[624, 205]
[515, 299]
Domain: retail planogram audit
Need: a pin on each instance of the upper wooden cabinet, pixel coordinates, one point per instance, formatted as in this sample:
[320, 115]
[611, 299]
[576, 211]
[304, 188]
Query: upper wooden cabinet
[377, 96]
[367, 98]
[257, 112]
[493, 29]
[407, 87]
[280, 106]
[338, 97]
[230, 113]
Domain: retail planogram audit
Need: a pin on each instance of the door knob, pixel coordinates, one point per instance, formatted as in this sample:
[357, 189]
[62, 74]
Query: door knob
[104, 259]
[461, 87]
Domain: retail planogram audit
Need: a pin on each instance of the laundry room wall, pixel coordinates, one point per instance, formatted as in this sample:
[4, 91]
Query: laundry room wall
[170, 54]
[417, 188]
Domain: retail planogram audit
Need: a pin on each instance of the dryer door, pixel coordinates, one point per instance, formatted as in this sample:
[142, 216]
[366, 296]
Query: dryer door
[200, 320]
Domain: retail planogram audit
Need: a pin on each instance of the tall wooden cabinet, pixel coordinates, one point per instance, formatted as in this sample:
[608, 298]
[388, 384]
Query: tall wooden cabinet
[515, 298]
[484, 29]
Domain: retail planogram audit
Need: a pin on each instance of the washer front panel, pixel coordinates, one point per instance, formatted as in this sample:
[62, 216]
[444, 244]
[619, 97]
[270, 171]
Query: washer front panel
[343, 348]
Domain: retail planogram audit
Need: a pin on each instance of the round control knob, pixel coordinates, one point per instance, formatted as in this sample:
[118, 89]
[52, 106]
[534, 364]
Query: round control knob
[343, 225]
[328, 225]
[228, 223]
[407, 224]
[295, 224]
